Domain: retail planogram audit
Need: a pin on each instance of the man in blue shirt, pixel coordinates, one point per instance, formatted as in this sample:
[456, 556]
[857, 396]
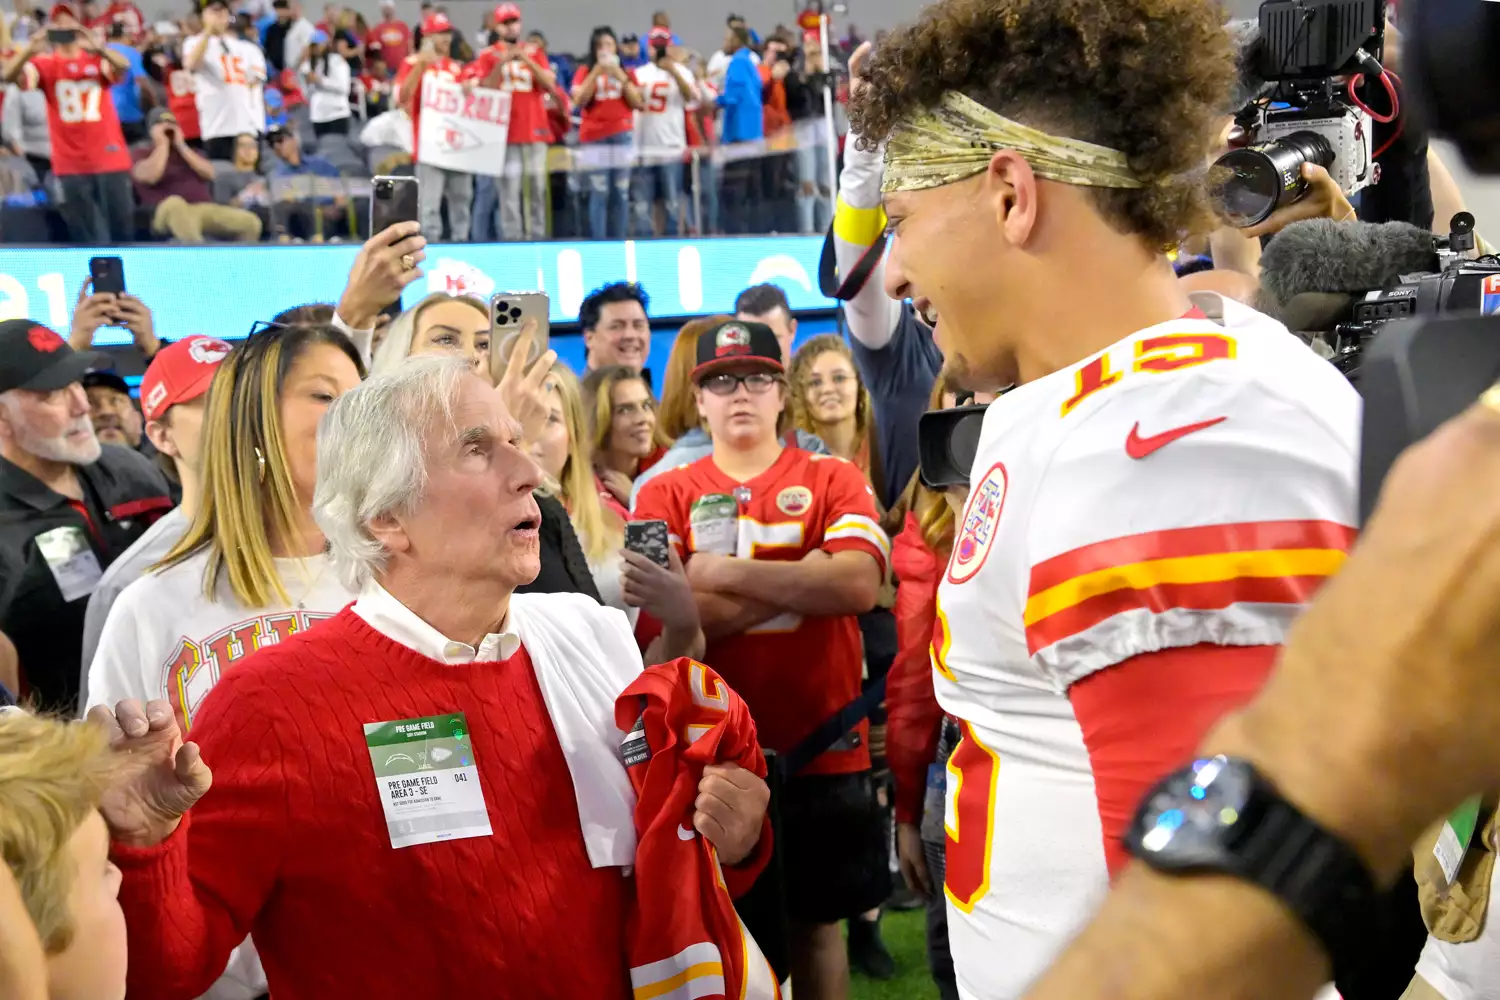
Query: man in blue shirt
[309, 216]
[742, 122]
[741, 99]
[128, 92]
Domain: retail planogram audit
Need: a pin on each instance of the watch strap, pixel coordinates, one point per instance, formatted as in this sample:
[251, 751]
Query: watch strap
[1312, 871]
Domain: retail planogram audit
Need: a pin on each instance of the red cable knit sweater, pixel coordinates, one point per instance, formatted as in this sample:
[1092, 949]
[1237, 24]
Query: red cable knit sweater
[291, 844]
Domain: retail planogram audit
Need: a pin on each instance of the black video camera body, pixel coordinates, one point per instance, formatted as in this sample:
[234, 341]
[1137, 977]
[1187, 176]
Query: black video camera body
[1462, 285]
[1305, 51]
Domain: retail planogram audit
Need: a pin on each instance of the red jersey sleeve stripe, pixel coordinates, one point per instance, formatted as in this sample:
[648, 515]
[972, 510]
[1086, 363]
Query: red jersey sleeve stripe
[1209, 539]
[1206, 596]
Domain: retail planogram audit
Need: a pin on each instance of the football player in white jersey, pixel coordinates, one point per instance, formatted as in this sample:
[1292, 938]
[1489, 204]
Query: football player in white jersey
[1161, 492]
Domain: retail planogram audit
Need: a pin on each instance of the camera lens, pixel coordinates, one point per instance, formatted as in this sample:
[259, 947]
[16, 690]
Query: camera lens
[383, 189]
[1251, 183]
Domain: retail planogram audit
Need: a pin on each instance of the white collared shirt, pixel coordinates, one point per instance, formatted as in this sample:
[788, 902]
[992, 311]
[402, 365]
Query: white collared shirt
[396, 621]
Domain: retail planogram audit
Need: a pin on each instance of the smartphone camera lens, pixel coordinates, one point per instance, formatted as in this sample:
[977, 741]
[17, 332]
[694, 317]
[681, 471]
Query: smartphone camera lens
[515, 314]
[384, 189]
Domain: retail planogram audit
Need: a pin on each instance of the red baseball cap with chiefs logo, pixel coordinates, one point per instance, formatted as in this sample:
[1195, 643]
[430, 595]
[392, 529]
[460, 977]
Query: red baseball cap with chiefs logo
[737, 344]
[436, 23]
[507, 12]
[36, 357]
[180, 373]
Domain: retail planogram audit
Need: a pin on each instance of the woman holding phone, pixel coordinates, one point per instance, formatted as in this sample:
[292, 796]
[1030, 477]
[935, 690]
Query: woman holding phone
[626, 580]
[439, 324]
[609, 96]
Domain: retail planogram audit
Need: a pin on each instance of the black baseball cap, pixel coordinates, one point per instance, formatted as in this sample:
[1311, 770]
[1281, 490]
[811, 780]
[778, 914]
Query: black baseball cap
[107, 379]
[629, 37]
[33, 356]
[735, 342]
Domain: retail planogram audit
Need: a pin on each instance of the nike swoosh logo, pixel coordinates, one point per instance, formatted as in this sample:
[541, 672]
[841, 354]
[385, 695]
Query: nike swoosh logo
[1139, 447]
[684, 833]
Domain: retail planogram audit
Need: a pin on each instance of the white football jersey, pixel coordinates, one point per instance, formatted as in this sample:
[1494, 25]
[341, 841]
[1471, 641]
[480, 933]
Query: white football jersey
[1191, 484]
[229, 84]
[660, 128]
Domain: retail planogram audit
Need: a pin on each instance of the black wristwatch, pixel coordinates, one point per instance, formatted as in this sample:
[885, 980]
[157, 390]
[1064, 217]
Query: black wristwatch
[1219, 815]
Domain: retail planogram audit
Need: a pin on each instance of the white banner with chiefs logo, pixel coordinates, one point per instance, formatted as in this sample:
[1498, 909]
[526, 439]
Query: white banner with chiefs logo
[463, 132]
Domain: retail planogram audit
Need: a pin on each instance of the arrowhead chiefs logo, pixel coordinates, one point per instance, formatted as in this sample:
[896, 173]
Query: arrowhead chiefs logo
[456, 139]
[43, 339]
[458, 277]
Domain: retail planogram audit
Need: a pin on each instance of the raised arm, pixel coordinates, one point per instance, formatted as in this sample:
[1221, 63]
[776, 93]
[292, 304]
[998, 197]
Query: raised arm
[858, 221]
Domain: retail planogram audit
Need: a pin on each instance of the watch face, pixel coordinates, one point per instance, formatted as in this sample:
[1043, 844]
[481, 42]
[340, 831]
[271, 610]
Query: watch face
[1189, 816]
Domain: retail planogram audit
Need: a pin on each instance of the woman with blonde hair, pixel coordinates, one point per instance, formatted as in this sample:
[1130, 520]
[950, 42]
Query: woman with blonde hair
[830, 400]
[624, 579]
[439, 324]
[677, 419]
[622, 427]
[251, 569]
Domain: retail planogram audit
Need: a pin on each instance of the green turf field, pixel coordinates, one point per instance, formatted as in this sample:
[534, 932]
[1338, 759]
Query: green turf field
[904, 937]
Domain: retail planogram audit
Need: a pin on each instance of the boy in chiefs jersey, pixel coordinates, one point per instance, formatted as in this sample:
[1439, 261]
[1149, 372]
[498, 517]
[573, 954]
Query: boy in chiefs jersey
[89, 155]
[522, 71]
[434, 57]
[1164, 488]
[783, 551]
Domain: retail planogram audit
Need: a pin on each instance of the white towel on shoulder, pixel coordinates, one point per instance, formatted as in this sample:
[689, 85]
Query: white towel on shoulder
[585, 656]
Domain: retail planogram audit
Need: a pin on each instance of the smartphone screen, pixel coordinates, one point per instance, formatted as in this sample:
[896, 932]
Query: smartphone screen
[508, 311]
[108, 274]
[649, 538]
[393, 200]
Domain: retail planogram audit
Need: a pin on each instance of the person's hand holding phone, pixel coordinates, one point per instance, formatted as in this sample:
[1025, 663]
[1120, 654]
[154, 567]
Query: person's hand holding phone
[380, 273]
[133, 315]
[661, 592]
[90, 312]
[524, 389]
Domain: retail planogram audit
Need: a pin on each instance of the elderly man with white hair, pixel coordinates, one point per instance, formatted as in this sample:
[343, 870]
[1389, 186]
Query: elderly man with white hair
[68, 505]
[424, 795]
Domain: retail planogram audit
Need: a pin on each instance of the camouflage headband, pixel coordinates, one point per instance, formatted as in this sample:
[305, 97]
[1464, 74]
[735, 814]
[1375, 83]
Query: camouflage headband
[957, 139]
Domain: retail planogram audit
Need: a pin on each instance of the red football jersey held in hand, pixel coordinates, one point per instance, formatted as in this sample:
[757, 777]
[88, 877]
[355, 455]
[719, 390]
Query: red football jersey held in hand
[793, 671]
[679, 717]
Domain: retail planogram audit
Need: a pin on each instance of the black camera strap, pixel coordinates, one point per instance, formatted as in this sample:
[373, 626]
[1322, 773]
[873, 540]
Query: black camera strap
[831, 730]
[852, 283]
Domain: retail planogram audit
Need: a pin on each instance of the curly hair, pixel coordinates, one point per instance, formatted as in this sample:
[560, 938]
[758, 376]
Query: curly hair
[1145, 77]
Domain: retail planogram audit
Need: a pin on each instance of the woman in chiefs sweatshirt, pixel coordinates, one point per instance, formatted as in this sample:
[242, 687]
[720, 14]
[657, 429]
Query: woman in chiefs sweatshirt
[251, 569]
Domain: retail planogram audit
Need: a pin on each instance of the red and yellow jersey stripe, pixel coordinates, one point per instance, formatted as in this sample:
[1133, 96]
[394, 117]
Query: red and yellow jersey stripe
[1201, 569]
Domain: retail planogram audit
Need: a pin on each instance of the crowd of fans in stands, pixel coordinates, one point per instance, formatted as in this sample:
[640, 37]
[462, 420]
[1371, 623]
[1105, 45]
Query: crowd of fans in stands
[240, 123]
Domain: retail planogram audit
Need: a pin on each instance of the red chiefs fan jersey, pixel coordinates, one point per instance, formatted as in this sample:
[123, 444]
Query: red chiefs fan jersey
[792, 671]
[445, 69]
[182, 101]
[607, 114]
[85, 130]
[686, 940]
[528, 110]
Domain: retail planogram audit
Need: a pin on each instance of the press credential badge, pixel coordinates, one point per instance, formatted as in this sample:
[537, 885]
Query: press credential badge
[74, 566]
[428, 779]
